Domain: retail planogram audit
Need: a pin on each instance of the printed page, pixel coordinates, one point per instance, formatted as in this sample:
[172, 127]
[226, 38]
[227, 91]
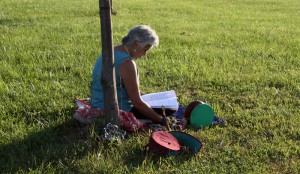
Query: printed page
[167, 99]
[167, 103]
[159, 96]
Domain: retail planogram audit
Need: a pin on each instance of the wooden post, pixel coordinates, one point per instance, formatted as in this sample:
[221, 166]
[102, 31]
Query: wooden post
[108, 78]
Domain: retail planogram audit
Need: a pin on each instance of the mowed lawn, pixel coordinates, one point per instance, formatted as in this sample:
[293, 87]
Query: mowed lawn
[241, 57]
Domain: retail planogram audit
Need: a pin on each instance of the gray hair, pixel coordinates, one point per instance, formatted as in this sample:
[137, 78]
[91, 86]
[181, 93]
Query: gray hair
[143, 35]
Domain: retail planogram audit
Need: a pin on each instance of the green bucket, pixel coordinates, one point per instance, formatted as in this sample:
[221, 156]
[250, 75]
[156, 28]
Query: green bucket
[201, 116]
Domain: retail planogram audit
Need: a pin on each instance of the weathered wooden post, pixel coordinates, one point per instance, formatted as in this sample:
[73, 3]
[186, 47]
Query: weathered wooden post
[108, 79]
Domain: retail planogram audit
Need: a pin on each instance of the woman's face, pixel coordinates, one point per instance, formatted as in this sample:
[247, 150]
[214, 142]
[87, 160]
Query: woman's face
[140, 51]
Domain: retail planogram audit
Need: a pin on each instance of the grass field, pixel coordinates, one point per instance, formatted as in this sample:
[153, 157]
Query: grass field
[242, 57]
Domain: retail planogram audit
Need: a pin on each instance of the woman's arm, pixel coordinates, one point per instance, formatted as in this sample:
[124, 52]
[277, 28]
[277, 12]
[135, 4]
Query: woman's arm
[129, 77]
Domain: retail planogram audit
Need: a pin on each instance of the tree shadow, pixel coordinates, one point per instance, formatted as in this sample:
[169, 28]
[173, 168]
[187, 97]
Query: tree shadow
[52, 145]
[58, 145]
[141, 156]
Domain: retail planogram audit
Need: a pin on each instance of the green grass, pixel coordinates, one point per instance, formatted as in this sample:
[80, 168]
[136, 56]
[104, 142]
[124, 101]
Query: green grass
[241, 57]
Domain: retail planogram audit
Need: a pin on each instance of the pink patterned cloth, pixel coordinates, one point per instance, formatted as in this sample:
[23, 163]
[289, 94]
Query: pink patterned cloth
[87, 115]
[129, 122]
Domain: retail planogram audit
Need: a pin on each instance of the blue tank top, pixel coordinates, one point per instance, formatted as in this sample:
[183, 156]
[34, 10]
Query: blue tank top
[97, 98]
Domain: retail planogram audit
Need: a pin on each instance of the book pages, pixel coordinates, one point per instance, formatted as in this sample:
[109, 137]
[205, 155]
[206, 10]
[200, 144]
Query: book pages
[167, 99]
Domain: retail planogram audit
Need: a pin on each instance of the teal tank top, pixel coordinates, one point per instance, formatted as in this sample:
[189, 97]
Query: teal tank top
[97, 98]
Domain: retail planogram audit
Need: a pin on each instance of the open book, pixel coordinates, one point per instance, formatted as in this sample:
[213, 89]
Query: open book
[167, 99]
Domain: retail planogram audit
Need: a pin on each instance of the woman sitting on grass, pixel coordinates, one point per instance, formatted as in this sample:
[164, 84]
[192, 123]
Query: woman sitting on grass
[139, 40]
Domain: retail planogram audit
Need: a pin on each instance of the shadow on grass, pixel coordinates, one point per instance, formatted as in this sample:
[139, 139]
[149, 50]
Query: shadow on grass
[57, 147]
[138, 157]
[52, 145]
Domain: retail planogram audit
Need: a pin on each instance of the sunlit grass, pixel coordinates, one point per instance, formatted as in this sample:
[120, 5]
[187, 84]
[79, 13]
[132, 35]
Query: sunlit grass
[241, 57]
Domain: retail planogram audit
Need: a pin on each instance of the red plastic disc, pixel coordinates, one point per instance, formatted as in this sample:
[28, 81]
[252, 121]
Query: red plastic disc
[166, 140]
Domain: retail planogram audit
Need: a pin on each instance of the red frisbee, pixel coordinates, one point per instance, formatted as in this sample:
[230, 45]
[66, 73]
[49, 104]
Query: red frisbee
[166, 140]
[163, 143]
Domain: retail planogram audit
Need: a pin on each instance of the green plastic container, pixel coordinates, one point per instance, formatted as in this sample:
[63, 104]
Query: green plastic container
[201, 116]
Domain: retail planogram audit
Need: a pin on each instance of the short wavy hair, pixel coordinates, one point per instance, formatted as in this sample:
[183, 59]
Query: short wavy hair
[142, 35]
